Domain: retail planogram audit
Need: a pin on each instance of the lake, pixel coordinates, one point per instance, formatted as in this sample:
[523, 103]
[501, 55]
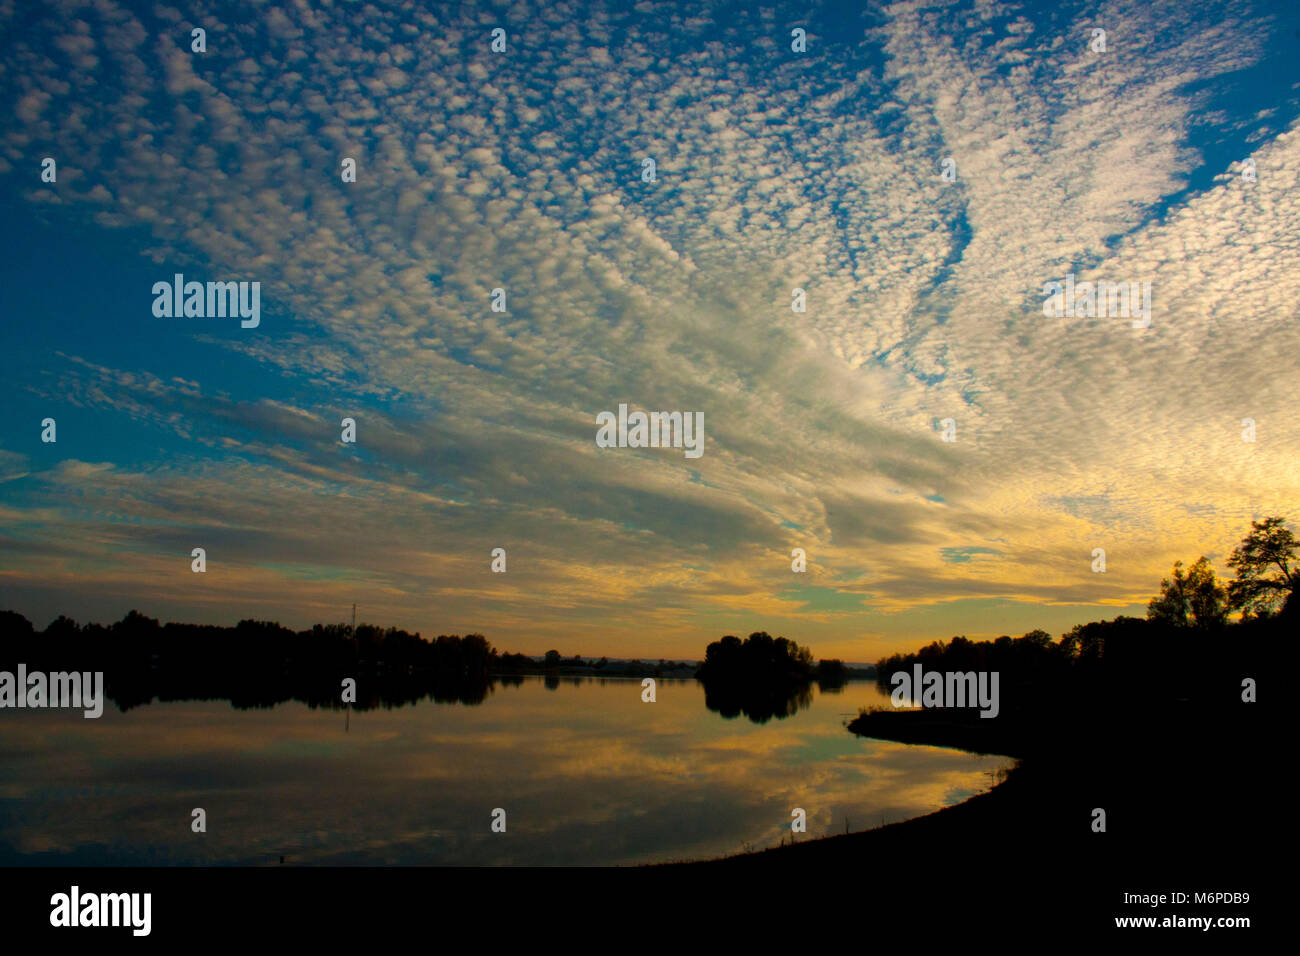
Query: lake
[586, 773]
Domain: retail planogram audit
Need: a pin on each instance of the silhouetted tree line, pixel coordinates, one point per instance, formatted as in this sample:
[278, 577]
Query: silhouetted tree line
[1186, 650]
[1101, 678]
[553, 664]
[762, 677]
[260, 663]
[1265, 586]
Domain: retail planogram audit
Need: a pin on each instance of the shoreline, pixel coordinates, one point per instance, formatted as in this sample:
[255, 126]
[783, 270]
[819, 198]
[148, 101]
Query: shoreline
[1185, 790]
[1022, 784]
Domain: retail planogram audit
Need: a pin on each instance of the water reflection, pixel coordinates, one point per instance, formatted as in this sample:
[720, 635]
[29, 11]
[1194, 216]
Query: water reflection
[759, 704]
[587, 772]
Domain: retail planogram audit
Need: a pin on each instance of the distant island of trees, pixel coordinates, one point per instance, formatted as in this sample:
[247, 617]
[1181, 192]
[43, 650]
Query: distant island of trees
[763, 676]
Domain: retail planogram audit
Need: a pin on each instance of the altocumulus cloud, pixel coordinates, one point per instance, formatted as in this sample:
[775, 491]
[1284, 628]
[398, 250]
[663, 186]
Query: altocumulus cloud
[774, 171]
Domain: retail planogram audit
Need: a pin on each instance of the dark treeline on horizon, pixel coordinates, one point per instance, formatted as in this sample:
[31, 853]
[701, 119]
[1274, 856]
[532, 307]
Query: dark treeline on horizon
[262, 663]
[1186, 654]
[1133, 662]
[1185, 649]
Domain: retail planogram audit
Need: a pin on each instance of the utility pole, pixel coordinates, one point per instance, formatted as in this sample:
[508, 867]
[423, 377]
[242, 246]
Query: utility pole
[356, 655]
[356, 645]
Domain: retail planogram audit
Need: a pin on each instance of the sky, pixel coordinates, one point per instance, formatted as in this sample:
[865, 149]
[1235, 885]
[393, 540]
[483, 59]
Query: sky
[948, 454]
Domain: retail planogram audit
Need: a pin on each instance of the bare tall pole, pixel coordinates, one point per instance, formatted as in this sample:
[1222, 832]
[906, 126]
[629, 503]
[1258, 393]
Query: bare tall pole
[356, 654]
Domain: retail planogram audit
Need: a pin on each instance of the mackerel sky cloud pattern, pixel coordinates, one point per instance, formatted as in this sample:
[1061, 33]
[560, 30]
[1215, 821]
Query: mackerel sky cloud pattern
[522, 170]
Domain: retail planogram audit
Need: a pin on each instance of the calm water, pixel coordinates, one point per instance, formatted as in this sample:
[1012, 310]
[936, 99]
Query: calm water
[586, 772]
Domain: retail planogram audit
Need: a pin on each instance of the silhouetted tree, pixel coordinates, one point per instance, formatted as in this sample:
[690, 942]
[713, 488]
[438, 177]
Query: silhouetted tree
[1264, 562]
[1191, 599]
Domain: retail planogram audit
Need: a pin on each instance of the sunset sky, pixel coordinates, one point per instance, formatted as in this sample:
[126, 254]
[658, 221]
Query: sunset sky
[523, 170]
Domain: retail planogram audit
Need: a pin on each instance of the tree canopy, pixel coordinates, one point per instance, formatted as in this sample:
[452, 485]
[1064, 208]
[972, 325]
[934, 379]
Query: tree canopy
[1191, 599]
[1267, 575]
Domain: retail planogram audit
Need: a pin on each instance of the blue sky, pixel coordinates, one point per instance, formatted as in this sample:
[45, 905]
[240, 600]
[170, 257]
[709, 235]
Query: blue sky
[775, 170]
